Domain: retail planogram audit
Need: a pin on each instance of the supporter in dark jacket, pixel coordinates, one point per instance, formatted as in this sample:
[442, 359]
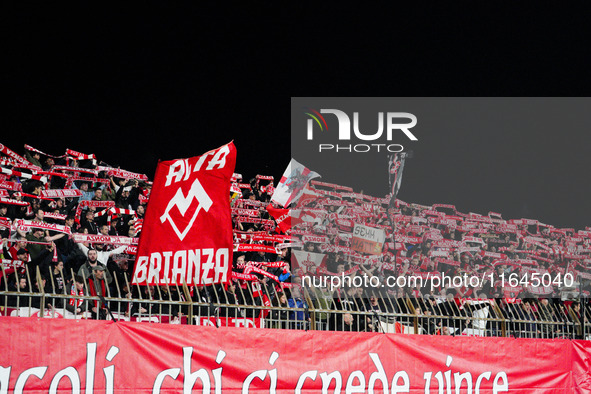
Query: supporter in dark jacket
[526, 328]
[89, 223]
[456, 315]
[57, 278]
[42, 291]
[33, 158]
[550, 325]
[127, 196]
[21, 285]
[279, 317]
[37, 238]
[230, 297]
[346, 322]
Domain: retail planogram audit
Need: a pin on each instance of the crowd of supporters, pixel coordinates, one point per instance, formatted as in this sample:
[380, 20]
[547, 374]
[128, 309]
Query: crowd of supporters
[44, 250]
[39, 221]
[527, 270]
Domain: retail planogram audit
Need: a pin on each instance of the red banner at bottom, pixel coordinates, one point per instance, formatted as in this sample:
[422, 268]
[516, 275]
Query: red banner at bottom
[58, 355]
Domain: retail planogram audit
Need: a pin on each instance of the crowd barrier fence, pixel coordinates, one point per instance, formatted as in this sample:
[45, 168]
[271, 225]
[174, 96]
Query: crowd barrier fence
[308, 309]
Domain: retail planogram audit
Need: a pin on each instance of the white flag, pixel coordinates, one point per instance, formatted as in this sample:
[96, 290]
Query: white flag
[292, 183]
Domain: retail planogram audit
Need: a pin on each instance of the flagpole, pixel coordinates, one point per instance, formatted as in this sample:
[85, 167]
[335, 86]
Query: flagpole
[394, 238]
[391, 206]
[395, 177]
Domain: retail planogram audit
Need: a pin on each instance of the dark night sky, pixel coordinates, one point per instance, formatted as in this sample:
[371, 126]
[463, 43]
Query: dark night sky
[522, 157]
[138, 89]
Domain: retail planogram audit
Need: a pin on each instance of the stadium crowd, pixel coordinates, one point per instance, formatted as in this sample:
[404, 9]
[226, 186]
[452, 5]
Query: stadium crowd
[49, 204]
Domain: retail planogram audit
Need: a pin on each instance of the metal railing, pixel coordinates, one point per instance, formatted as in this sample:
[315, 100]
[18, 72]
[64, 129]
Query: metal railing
[305, 308]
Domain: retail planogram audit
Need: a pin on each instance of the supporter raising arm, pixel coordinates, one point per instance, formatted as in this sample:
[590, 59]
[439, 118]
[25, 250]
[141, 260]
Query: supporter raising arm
[127, 196]
[87, 195]
[103, 257]
[33, 158]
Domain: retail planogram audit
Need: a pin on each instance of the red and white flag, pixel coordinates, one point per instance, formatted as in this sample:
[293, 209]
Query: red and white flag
[309, 195]
[281, 216]
[292, 183]
[307, 262]
[188, 229]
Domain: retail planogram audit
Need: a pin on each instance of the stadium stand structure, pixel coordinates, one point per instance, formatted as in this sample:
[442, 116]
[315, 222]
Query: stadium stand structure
[71, 222]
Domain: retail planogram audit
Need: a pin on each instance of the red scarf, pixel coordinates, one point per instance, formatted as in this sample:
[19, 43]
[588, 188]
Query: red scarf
[30, 148]
[73, 301]
[93, 289]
